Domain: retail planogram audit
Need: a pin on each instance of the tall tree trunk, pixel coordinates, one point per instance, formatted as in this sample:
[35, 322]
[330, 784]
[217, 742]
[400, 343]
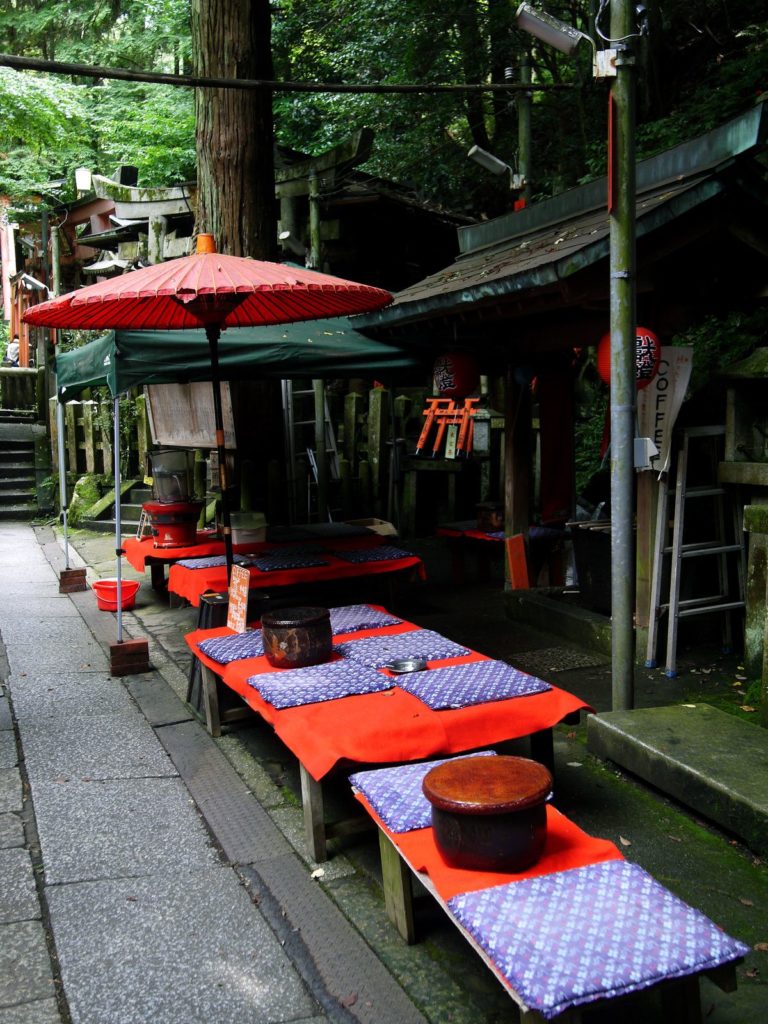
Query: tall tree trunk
[234, 137]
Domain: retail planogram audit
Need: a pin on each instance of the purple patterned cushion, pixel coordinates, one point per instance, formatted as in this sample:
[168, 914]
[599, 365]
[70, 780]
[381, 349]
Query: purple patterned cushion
[211, 561]
[576, 936]
[396, 794]
[384, 553]
[274, 560]
[233, 647]
[352, 617]
[290, 687]
[460, 686]
[378, 651]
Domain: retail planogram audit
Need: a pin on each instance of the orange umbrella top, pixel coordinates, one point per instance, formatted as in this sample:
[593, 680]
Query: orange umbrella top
[206, 289]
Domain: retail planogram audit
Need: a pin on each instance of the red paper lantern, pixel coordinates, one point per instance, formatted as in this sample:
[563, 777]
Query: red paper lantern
[647, 357]
[455, 375]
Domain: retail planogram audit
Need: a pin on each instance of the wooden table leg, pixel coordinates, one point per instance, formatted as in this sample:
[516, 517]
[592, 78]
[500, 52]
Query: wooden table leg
[681, 1001]
[543, 748]
[157, 575]
[210, 700]
[398, 889]
[314, 816]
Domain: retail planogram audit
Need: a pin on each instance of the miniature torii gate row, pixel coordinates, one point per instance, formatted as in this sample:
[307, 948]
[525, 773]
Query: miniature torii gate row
[444, 412]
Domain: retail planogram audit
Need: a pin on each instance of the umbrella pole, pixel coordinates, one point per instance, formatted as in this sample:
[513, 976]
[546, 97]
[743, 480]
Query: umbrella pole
[118, 524]
[62, 477]
[213, 334]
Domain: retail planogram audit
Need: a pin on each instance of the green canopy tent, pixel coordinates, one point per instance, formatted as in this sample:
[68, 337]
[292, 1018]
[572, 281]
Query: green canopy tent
[318, 348]
[124, 359]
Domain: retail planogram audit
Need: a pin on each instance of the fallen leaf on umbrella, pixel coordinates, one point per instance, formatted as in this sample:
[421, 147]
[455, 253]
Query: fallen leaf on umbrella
[746, 902]
[625, 842]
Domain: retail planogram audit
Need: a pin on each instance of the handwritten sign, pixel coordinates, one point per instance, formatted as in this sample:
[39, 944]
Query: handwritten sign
[238, 598]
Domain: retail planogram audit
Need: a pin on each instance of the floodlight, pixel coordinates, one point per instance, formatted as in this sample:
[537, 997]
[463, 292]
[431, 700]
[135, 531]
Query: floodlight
[488, 161]
[550, 30]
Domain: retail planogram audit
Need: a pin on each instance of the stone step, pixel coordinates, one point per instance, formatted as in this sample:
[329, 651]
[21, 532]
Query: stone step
[20, 477]
[710, 761]
[17, 513]
[18, 495]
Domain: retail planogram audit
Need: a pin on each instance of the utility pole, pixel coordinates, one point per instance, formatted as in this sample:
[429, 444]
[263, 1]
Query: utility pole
[524, 128]
[621, 191]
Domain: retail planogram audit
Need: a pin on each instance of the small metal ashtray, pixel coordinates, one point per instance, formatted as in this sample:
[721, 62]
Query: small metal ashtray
[400, 666]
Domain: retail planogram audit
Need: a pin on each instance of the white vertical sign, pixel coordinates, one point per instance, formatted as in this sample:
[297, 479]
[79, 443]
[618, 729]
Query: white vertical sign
[659, 404]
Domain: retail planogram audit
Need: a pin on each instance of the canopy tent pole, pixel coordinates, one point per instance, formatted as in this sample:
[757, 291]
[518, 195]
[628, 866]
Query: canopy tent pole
[118, 518]
[62, 477]
[213, 333]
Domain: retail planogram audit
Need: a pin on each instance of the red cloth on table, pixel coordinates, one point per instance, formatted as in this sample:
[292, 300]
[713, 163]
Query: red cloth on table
[192, 583]
[137, 551]
[390, 727]
[567, 846]
[448, 531]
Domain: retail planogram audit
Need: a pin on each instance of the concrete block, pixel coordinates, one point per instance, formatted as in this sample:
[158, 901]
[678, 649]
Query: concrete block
[710, 761]
[18, 894]
[25, 967]
[72, 581]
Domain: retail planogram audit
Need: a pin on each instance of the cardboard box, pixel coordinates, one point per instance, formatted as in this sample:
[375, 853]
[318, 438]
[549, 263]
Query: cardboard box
[377, 525]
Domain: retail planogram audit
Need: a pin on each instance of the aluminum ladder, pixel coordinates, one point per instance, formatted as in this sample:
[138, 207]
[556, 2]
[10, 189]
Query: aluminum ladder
[308, 465]
[670, 562]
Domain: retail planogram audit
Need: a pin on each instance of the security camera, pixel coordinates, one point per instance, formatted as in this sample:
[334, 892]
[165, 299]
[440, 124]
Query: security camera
[550, 30]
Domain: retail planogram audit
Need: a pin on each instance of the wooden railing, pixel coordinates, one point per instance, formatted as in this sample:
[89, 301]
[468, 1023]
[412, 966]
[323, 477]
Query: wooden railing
[88, 437]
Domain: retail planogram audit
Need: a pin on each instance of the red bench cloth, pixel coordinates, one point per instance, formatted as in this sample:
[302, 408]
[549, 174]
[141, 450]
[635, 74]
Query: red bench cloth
[192, 583]
[390, 727]
[567, 846]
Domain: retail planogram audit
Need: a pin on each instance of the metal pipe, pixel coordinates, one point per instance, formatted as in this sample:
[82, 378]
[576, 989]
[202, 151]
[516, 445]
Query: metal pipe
[62, 477]
[118, 518]
[524, 128]
[623, 391]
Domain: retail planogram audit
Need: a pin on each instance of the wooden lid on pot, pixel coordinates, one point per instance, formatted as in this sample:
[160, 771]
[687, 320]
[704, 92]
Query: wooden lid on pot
[487, 785]
[293, 618]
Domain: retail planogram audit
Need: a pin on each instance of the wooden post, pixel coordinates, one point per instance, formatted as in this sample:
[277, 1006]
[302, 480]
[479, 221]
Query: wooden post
[107, 462]
[517, 458]
[70, 420]
[314, 256]
[378, 421]
[353, 410]
[321, 450]
[53, 429]
[88, 440]
[142, 430]
[347, 503]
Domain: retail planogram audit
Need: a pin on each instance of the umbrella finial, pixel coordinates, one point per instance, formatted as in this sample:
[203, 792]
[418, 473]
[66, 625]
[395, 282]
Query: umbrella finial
[205, 243]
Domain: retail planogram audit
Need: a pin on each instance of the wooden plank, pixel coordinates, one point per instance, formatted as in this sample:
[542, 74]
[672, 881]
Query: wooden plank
[314, 816]
[398, 889]
[70, 423]
[88, 439]
[210, 700]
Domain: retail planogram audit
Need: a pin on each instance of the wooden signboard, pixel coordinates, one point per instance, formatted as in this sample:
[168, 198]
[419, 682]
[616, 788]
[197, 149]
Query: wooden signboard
[238, 598]
[181, 415]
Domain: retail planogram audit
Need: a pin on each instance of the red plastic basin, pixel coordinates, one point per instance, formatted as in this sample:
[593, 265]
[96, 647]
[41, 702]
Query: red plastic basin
[106, 593]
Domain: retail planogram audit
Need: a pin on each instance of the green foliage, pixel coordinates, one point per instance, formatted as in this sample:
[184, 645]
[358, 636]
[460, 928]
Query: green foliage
[719, 340]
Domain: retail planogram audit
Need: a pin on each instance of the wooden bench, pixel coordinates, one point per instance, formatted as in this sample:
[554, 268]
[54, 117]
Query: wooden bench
[401, 863]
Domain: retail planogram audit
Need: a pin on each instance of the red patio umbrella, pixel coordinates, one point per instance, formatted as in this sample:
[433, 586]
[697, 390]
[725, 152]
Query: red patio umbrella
[213, 291]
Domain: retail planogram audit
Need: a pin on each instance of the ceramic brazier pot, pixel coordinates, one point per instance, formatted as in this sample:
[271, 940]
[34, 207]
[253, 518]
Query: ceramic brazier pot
[489, 813]
[297, 637]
